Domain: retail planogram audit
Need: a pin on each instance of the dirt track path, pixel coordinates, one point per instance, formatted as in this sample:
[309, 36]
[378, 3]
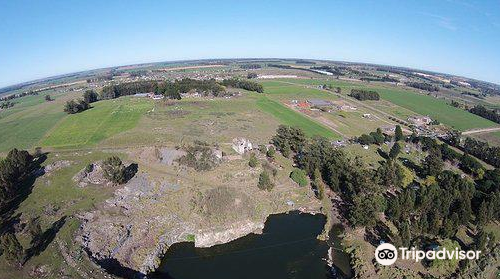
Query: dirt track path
[481, 131]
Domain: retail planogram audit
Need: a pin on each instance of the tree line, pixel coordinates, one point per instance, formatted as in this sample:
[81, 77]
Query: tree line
[244, 84]
[491, 114]
[423, 86]
[477, 148]
[6, 105]
[19, 95]
[362, 94]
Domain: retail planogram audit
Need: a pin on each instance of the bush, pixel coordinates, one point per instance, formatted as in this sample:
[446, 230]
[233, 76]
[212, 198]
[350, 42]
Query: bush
[265, 182]
[299, 176]
[271, 152]
[253, 161]
[73, 106]
[114, 170]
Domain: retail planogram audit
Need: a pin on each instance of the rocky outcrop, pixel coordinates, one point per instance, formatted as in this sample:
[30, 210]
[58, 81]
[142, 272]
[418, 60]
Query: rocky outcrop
[209, 238]
[92, 174]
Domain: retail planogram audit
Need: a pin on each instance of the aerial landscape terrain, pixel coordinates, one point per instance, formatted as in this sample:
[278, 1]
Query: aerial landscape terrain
[250, 139]
[106, 172]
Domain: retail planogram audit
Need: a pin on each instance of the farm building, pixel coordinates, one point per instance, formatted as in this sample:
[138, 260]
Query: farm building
[319, 103]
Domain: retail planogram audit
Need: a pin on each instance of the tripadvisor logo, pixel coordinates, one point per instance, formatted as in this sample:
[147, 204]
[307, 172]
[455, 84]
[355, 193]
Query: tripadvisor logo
[387, 254]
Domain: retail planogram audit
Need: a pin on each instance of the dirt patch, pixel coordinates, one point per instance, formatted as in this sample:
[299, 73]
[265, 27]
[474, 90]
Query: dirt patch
[177, 113]
[56, 166]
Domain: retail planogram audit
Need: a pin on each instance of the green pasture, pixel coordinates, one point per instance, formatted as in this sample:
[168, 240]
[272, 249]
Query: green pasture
[105, 119]
[435, 108]
[289, 117]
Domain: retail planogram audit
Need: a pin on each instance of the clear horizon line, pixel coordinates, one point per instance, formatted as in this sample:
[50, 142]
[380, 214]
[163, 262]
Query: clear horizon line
[236, 58]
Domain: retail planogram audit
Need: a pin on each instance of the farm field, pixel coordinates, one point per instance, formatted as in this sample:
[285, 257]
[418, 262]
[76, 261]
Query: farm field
[436, 109]
[105, 119]
[292, 118]
[410, 102]
[28, 121]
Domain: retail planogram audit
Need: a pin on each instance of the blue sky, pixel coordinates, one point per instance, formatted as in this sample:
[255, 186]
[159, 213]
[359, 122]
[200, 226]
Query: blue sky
[44, 38]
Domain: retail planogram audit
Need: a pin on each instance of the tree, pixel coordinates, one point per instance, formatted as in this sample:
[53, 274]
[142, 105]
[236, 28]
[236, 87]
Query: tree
[378, 136]
[271, 152]
[12, 249]
[433, 163]
[292, 136]
[363, 211]
[398, 134]
[390, 174]
[253, 161]
[251, 75]
[48, 98]
[299, 176]
[286, 150]
[73, 106]
[395, 150]
[366, 139]
[318, 184]
[482, 215]
[114, 170]
[90, 96]
[265, 182]
[34, 230]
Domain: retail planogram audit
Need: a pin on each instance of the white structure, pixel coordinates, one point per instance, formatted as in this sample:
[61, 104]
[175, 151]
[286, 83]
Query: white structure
[241, 145]
[420, 120]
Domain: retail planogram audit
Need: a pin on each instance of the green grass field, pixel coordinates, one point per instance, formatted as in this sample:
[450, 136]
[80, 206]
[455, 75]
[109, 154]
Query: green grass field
[28, 121]
[436, 109]
[105, 119]
[420, 104]
[292, 118]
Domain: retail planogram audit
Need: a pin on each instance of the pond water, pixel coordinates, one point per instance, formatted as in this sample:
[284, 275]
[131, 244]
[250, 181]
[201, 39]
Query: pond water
[287, 248]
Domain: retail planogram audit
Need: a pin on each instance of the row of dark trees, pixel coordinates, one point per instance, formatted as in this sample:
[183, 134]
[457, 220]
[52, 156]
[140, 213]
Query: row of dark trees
[244, 84]
[491, 114]
[128, 88]
[173, 89]
[6, 105]
[18, 95]
[423, 86]
[363, 95]
[477, 148]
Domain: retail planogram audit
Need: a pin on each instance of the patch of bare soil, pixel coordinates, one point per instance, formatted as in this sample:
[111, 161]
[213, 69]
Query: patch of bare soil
[57, 165]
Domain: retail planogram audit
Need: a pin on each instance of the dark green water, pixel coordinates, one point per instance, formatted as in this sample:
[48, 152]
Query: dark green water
[288, 248]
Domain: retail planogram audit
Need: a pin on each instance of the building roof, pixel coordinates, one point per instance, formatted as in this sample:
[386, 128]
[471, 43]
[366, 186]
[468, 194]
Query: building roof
[319, 102]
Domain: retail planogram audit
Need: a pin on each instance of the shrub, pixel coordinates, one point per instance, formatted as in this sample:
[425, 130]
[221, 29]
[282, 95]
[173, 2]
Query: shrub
[114, 170]
[271, 152]
[299, 176]
[265, 182]
[253, 161]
